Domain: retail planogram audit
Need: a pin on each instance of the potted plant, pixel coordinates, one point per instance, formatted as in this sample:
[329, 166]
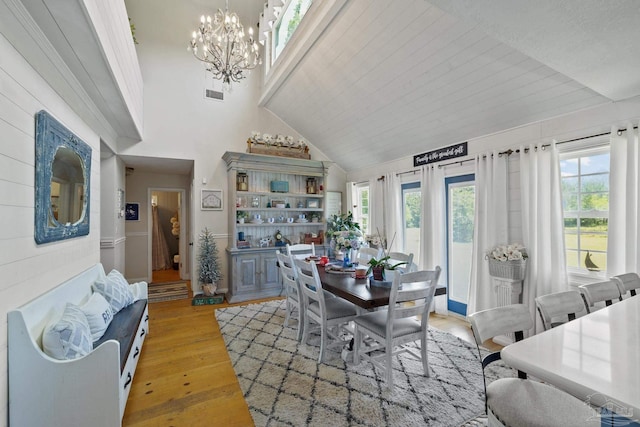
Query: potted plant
[208, 265]
[380, 266]
[241, 216]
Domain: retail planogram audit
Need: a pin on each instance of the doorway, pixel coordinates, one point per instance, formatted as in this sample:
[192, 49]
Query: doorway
[460, 200]
[166, 236]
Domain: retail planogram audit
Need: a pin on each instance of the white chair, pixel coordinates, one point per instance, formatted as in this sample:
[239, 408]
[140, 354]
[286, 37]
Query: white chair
[398, 325]
[365, 254]
[563, 305]
[593, 293]
[397, 257]
[628, 282]
[292, 291]
[330, 314]
[519, 401]
[301, 250]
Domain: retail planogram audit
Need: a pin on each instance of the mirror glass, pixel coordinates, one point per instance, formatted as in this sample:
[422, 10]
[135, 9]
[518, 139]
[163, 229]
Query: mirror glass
[67, 188]
[63, 171]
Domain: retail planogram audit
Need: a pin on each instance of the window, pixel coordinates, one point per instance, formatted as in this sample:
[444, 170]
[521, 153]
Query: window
[287, 23]
[412, 213]
[585, 202]
[361, 208]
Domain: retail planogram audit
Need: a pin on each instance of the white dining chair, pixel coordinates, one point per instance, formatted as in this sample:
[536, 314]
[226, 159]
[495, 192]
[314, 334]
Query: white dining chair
[391, 329]
[331, 315]
[293, 303]
[301, 250]
[561, 307]
[519, 401]
[397, 257]
[627, 283]
[606, 291]
[365, 254]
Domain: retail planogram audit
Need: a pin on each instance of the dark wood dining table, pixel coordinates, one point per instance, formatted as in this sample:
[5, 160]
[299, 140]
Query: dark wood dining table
[358, 291]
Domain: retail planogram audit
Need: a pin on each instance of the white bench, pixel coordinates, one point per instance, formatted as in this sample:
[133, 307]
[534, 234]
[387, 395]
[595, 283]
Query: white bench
[89, 391]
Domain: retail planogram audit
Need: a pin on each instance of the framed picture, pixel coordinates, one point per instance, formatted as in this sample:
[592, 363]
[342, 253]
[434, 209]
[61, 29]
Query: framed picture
[278, 203]
[313, 203]
[211, 200]
[132, 212]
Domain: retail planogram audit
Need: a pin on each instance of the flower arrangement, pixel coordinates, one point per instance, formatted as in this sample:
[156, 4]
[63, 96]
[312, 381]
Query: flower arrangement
[510, 252]
[378, 266]
[376, 240]
[343, 232]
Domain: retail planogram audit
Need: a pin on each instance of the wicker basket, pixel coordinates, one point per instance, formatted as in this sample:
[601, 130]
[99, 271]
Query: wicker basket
[514, 270]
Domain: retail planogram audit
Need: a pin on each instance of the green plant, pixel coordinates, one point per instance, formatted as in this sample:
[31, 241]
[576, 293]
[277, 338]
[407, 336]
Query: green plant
[242, 214]
[133, 31]
[208, 263]
[383, 263]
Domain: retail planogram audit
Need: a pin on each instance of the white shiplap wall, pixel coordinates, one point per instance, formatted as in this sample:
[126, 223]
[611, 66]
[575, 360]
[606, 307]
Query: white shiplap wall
[27, 269]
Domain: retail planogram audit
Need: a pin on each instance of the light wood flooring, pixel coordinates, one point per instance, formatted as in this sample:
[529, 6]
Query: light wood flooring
[184, 376]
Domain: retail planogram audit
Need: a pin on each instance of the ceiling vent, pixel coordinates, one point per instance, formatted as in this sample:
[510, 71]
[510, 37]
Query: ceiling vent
[213, 94]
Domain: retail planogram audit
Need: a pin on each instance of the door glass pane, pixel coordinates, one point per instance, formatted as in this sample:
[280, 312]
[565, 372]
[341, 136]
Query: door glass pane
[461, 215]
[412, 204]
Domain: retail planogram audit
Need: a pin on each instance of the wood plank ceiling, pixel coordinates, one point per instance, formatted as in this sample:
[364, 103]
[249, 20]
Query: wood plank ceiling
[383, 82]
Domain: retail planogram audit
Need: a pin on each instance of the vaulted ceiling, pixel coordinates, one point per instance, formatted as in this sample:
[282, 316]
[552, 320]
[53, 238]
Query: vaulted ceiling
[389, 79]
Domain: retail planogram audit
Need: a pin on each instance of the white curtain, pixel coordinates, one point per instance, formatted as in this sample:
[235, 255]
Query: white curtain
[432, 224]
[349, 197]
[376, 206]
[624, 189]
[393, 212]
[491, 226]
[542, 226]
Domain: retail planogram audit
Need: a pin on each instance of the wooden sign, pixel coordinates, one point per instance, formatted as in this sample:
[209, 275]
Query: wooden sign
[451, 152]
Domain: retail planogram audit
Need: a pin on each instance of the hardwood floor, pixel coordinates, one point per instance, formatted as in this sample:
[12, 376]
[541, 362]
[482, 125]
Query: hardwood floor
[184, 376]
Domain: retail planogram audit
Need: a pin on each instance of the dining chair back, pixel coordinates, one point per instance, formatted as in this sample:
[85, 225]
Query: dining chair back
[292, 292]
[519, 401]
[593, 293]
[301, 250]
[391, 329]
[365, 254]
[561, 306]
[398, 257]
[627, 283]
[331, 315]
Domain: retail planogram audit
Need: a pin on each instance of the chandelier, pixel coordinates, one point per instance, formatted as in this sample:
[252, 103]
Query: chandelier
[220, 43]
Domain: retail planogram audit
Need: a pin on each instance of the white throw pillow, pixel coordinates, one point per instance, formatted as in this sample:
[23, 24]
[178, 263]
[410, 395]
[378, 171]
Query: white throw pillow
[99, 315]
[136, 290]
[68, 337]
[115, 289]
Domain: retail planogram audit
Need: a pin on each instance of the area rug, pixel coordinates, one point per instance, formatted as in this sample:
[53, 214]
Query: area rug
[284, 385]
[167, 291]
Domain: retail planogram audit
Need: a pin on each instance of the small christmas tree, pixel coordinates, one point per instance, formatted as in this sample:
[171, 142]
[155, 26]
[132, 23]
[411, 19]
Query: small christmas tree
[209, 268]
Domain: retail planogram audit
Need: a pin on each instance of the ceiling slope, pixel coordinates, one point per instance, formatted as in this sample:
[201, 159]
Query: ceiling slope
[384, 82]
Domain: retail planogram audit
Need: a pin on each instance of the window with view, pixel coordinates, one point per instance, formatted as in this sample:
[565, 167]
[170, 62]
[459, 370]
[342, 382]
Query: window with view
[361, 209]
[585, 201]
[412, 213]
[287, 23]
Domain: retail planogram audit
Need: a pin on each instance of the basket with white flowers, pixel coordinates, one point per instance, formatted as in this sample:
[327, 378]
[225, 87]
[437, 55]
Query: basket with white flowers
[508, 261]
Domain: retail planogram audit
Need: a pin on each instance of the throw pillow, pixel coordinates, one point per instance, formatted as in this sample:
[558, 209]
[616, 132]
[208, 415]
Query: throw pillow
[99, 314]
[68, 337]
[115, 289]
[136, 290]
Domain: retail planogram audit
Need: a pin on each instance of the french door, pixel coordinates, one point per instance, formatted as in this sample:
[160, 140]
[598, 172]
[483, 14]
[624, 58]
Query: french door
[460, 202]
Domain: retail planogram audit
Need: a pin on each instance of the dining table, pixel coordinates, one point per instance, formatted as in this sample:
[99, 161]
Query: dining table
[359, 291]
[596, 358]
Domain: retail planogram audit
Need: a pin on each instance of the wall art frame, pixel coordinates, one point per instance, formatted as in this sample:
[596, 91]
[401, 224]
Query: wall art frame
[211, 200]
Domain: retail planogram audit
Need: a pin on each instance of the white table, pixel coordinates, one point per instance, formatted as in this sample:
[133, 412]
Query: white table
[595, 357]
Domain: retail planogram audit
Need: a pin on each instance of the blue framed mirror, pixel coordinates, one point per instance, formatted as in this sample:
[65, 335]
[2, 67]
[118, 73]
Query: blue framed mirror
[63, 172]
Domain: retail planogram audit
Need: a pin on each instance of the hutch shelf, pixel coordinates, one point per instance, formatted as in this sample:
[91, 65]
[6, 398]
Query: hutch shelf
[259, 216]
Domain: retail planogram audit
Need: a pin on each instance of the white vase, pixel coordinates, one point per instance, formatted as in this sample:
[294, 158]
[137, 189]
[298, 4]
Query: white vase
[339, 255]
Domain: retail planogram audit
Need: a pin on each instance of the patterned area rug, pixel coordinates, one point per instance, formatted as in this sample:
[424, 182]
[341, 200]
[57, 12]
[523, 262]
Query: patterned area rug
[168, 291]
[285, 386]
